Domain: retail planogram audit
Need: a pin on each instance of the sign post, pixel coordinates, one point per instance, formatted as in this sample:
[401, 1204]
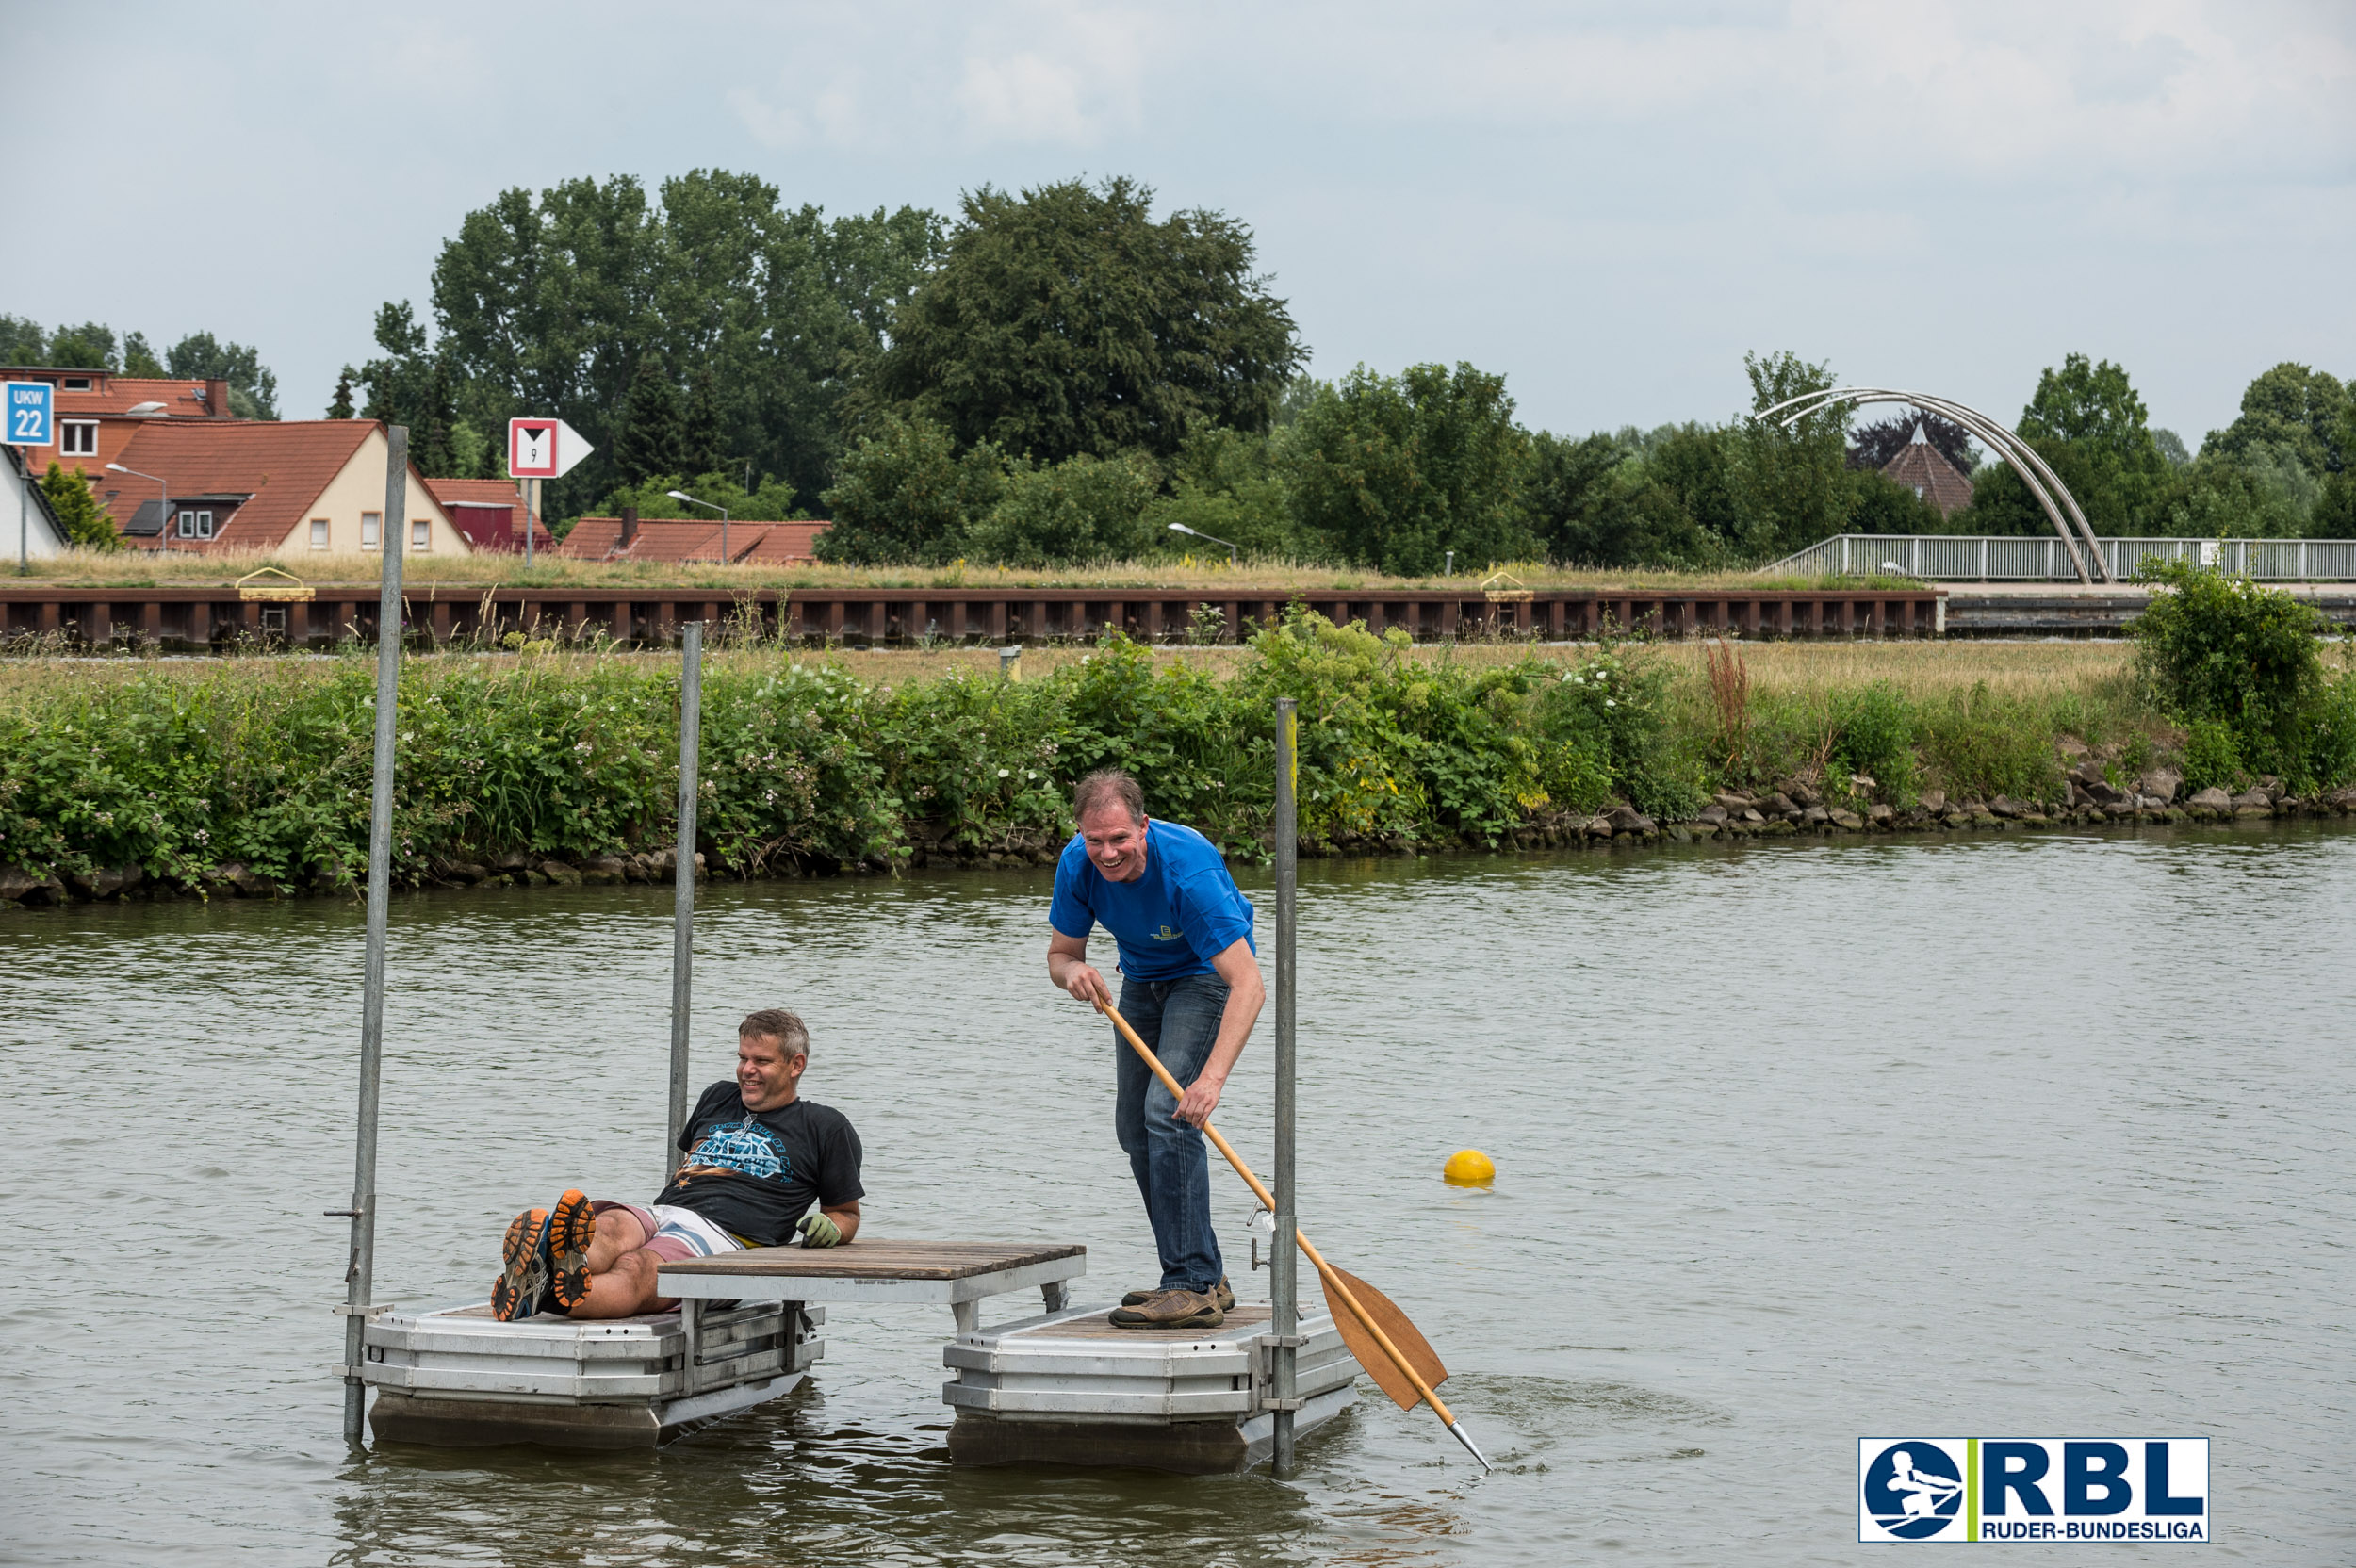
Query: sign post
[31, 422]
[539, 449]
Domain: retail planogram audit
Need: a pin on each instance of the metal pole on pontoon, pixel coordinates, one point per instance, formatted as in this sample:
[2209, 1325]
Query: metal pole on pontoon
[360, 1274]
[1283, 1272]
[691, 687]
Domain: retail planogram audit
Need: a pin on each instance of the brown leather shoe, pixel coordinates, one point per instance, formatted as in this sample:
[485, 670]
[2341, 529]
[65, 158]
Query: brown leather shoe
[1172, 1308]
[1219, 1293]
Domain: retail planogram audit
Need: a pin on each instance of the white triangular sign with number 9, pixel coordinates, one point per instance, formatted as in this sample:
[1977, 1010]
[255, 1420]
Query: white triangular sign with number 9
[543, 448]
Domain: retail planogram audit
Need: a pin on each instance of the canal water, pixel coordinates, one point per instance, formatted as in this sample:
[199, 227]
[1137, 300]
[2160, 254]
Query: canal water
[1796, 1144]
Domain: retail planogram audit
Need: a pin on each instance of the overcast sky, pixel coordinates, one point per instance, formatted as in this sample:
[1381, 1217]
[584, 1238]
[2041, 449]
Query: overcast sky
[1608, 202]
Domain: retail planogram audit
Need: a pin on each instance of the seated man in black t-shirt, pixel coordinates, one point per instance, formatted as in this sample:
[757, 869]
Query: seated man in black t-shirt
[758, 1156]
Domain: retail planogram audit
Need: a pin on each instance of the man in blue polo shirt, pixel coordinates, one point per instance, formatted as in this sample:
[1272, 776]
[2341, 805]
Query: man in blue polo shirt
[1191, 986]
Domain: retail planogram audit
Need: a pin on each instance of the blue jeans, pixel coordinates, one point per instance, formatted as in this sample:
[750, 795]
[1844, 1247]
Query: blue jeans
[1179, 1019]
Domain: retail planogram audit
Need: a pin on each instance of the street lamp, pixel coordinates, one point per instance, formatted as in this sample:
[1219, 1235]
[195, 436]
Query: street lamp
[683, 495]
[1198, 533]
[166, 533]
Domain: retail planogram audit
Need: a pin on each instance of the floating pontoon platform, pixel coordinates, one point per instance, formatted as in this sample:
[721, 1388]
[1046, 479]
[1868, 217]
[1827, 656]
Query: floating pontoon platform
[744, 1333]
[1069, 1388]
[1061, 1388]
[461, 1378]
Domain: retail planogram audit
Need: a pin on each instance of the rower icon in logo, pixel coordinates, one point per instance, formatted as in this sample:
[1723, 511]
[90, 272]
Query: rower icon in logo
[1913, 1490]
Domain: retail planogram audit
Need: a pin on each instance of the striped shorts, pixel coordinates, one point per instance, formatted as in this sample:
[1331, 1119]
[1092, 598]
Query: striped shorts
[675, 1235]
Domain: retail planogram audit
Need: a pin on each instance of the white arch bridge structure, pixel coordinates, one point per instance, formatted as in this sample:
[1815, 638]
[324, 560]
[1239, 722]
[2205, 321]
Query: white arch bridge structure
[2046, 486]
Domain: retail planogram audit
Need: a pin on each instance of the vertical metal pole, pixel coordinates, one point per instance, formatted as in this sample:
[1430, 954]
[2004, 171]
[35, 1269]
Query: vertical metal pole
[691, 688]
[360, 1276]
[532, 510]
[1283, 1272]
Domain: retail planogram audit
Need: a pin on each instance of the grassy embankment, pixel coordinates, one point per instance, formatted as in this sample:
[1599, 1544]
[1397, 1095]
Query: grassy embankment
[128, 569]
[253, 773]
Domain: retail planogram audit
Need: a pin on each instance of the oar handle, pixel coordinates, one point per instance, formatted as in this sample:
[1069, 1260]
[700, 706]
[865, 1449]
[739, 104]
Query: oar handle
[1325, 1270]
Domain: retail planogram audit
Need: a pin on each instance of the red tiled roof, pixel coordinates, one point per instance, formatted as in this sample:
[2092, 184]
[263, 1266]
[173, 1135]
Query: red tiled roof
[282, 465]
[471, 494]
[1926, 470]
[666, 539]
[110, 394]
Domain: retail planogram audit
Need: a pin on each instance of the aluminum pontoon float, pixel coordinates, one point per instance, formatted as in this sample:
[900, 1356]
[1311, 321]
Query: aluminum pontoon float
[1065, 1387]
[744, 1333]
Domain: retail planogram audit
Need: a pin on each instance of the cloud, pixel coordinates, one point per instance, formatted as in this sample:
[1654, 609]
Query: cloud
[1081, 80]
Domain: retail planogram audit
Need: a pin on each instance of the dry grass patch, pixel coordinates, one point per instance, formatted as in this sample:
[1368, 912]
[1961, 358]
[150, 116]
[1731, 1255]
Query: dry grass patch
[1922, 670]
[141, 569]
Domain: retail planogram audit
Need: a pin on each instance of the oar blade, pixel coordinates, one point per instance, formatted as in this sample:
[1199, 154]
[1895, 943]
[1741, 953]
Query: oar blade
[1409, 1340]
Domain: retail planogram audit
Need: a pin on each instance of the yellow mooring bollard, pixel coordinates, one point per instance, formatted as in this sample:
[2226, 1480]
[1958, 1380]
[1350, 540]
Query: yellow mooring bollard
[1469, 1168]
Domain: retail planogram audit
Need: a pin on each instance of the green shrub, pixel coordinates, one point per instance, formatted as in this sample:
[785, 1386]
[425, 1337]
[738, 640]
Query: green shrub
[2225, 649]
[2331, 738]
[903, 495]
[1874, 735]
[1978, 745]
[2211, 755]
[1080, 509]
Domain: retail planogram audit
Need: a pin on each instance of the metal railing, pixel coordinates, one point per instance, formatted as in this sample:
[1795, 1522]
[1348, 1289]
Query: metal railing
[2003, 558]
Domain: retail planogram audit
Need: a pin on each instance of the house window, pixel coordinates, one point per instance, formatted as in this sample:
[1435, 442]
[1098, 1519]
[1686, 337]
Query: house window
[76, 383]
[196, 524]
[77, 438]
[420, 534]
[369, 523]
[318, 534]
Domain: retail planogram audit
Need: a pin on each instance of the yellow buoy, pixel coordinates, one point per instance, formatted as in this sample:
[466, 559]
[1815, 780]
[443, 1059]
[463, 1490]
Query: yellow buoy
[1469, 1168]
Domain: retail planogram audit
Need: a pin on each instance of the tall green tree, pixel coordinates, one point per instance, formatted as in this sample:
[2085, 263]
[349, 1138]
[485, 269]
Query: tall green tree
[648, 440]
[138, 359]
[253, 388]
[1080, 510]
[1395, 472]
[1694, 470]
[703, 433]
[907, 495]
[1790, 480]
[1067, 320]
[2336, 511]
[772, 502]
[22, 341]
[2289, 406]
[549, 303]
[89, 346]
[1592, 503]
[2087, 421]
[1231, 486]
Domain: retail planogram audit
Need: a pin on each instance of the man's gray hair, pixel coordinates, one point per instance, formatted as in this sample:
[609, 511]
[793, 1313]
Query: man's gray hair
[776, 1024]
[1106, 786]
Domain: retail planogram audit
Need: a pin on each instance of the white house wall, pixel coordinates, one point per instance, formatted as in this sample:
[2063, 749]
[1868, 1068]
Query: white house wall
[23, 526]
[360, 487]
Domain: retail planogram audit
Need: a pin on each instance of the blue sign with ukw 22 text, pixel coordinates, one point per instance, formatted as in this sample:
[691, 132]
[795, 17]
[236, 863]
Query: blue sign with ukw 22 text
[2106, 1489]
[28, 414]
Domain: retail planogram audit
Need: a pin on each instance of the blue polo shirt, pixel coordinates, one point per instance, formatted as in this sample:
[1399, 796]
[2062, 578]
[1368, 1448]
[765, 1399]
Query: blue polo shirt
[1171, 921]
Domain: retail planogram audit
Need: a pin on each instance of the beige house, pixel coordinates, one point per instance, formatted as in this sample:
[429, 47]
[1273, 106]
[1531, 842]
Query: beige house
[297, 488]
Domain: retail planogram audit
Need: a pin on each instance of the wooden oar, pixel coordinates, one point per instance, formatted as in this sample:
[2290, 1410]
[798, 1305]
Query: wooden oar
[1368, 1319]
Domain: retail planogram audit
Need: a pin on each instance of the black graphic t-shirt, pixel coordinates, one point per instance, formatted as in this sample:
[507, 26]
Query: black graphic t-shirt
[764, 1168]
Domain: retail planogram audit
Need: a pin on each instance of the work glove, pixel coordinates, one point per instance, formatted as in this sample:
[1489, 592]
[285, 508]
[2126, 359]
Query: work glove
[818, 1230]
